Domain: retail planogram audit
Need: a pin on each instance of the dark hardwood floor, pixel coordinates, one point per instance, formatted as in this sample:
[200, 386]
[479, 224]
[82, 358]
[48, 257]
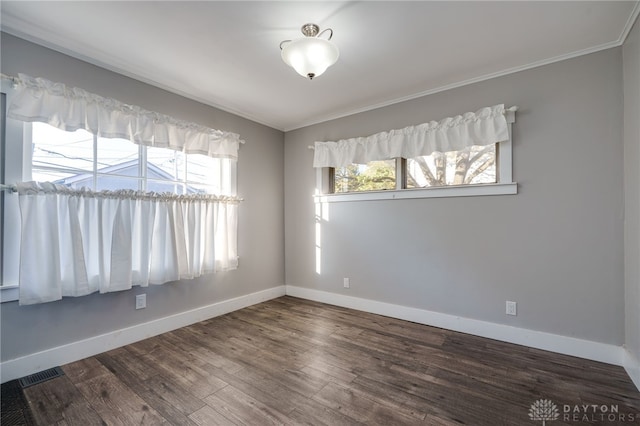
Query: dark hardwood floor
[291, 361]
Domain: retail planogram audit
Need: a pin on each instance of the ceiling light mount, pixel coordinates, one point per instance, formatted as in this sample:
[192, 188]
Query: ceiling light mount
[310, 30]
[311, 55]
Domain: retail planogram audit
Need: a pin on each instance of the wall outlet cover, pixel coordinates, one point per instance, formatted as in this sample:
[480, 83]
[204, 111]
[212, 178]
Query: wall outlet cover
[141, 301]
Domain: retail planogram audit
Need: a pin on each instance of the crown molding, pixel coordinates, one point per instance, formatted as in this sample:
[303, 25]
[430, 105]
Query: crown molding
[633, 17]
[25, 30]
[619, 42]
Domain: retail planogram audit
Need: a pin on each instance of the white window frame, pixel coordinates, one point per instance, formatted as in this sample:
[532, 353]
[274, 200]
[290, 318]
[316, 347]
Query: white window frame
[17, 145]
[504, 186]
[142, 178]
[14, 148]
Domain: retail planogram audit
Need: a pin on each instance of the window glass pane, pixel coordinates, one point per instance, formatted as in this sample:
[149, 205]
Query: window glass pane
[473, 165]
[164, 163]
[208, 174]
[202, 168]
[118, 156]
[68, 158]
[56, 176]
[373, 176]
[195, 188]
[165, 186]
[52, 147]
[113, 183]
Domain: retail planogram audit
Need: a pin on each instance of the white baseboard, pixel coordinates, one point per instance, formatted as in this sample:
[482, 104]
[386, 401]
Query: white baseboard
[29, 364]
[632, 366]
[596, 351]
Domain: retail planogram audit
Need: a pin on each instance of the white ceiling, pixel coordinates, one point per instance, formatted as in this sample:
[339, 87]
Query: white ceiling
[226, 54]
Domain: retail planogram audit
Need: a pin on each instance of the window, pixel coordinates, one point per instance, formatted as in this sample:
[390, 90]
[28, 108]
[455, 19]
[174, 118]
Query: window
[180, 221]
[80, 159]
[471, 166]
[474, 165]
[373, 176]
[389, 165]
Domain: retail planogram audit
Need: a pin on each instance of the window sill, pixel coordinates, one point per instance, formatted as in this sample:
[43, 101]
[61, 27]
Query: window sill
[9, 293]
[435, 192]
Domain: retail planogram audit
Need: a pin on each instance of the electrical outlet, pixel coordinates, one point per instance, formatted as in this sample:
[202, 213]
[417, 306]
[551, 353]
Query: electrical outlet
[141, 301]
[346, 283]
[511, 308]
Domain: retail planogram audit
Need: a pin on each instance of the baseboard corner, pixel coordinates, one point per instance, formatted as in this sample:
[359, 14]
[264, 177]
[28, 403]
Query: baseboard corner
[632, 367]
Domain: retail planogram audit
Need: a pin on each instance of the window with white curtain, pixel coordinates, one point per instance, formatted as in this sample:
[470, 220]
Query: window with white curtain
[373, 176]
[475, 165]
[83, 160]
[110, 196]
[469, 154]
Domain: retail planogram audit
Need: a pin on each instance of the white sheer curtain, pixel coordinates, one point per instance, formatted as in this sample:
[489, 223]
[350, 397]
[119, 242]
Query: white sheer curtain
[71, 108]
[77, 242]
[486, 126]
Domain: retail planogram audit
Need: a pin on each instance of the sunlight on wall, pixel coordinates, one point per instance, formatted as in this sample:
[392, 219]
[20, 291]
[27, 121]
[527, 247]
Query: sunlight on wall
[321, 215]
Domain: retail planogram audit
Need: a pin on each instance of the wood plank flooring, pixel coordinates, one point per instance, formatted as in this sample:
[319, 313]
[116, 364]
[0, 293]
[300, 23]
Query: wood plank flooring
[291, 361]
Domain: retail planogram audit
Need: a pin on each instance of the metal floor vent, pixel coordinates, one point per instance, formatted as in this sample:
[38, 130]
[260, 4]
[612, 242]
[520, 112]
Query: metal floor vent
[40, 377]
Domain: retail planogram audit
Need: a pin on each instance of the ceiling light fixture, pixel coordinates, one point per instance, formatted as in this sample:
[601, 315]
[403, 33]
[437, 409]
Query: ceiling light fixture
[310, 55]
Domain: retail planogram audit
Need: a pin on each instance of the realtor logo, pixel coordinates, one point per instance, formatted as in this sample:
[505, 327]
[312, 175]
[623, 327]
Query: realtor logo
[545, 410]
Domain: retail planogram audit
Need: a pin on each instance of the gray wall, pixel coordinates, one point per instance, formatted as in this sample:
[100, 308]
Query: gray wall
[631, 70]
[30, 329]
[556, 247]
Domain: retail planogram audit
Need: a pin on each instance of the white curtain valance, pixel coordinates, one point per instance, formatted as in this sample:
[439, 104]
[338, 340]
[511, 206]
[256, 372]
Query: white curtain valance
[71, 108]
[486, 126]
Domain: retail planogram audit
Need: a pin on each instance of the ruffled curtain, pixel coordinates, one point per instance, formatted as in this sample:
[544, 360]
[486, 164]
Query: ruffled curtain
[486, 126]
[71, 108]
[77, 242]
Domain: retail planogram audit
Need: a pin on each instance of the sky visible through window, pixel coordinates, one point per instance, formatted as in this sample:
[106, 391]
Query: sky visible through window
[58, 155]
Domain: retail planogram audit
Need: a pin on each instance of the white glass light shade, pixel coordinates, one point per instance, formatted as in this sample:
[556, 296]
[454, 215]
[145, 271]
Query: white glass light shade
[310, 56]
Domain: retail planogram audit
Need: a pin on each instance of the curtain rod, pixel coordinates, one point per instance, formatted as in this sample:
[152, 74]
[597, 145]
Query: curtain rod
[14, 80]
[14, 188]
[10, 188]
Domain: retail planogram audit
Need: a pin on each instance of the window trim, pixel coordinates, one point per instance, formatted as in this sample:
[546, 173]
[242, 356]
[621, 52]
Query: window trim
[13, 172]
[503, 186]
[433, 192]
[3, 127]
[8, 292]
[25, 133]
